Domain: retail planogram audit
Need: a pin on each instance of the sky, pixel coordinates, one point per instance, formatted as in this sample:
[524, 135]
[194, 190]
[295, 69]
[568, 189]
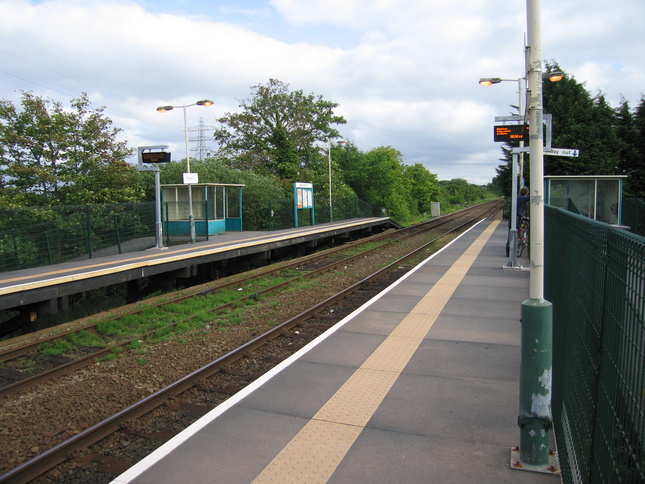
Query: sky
[404, 72]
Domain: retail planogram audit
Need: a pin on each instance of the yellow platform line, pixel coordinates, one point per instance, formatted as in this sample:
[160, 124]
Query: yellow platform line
[315, 452]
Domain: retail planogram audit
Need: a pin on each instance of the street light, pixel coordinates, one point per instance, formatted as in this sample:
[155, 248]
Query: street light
[553, 76]
[535, 418]
[331, 210]
[163, 109]
[512, 241]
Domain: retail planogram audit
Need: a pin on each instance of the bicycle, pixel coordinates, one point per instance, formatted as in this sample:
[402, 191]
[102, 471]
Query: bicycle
[522, 235]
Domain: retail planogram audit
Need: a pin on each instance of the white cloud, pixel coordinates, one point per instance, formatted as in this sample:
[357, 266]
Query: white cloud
[404, 72]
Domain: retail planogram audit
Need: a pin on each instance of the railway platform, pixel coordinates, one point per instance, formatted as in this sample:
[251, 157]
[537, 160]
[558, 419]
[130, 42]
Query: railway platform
[53, 289]
[419, 385]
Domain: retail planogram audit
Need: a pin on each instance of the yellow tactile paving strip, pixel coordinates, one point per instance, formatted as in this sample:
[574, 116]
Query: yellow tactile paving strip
[315, 452]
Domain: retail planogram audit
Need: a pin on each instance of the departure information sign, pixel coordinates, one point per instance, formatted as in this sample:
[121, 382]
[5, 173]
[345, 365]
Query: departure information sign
[511, 132]
[155, 157]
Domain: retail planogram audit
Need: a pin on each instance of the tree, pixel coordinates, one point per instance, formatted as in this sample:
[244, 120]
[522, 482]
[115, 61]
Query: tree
[459, 192]
[580, 122]
[213, 170]
[423, 186]
[631, 132]
[50, 155]
[277, 129]
[607, 138]
[378, 177]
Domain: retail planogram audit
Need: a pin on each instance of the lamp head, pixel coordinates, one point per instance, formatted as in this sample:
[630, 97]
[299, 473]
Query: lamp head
[163, 109]
[555, 76]
[205, 102]
[489, 81]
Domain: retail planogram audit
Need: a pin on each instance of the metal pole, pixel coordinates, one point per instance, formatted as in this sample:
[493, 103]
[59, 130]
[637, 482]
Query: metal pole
[331, 212]
[191, 217]
[537, 314]
[155, 168]
[158, 226]
[536, 150]
[512, 244]
[521, 84]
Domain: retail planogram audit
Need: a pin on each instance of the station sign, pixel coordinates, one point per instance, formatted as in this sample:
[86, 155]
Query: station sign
[562, 152]
[190, 178]
[511, 132]
[304, 194]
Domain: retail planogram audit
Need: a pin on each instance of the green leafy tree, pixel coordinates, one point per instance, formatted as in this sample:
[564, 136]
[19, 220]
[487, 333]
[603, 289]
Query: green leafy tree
[378, 177]
[608, 138]
[213, 170]
[459, 192]
[504, 178]
[277, 130]
[580, 122]
[50, 155]
[317, 172]
[631, 132]
[423, 186]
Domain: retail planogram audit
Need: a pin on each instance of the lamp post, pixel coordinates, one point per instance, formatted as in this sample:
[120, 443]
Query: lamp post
[512, 242]
[163, 109]
[521, 90]
[331, 211]
[535, 418]
[554, 76]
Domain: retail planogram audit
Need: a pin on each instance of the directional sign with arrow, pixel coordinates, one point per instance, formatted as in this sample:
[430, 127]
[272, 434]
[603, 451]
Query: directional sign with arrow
[562, 152]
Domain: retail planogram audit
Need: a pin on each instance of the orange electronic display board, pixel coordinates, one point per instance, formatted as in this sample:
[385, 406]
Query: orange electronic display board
[511, 132]
[155, 157]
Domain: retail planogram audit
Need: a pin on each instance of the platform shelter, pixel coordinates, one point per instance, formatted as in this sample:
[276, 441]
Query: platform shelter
[599, 197]
[217, 208]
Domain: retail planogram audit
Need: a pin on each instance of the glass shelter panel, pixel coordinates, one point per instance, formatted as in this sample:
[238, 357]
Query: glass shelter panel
[176, 204]
[596, 197]
[199, 207]
[233, 207]
[574, 196]
[219, 203]
[607, 202]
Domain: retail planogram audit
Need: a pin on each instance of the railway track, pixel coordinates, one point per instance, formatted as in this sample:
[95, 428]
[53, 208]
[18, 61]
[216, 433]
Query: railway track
[233, 292]
[315, 319]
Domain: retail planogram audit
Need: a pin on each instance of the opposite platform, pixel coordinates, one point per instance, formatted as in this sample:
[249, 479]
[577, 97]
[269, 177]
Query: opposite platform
[55, 288]
[418, 385]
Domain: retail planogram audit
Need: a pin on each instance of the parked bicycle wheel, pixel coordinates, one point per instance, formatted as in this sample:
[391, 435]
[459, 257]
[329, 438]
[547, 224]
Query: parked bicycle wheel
[522, 236]
[521, 241]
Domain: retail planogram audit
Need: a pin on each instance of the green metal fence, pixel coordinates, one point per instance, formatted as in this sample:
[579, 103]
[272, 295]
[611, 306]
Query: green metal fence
[595, 278]
[278, 214]
[73, 232]
[345, 209]
[41, 236]
[634, 215]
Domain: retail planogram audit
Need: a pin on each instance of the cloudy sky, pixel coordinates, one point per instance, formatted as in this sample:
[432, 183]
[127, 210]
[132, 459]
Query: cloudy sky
[404, 72]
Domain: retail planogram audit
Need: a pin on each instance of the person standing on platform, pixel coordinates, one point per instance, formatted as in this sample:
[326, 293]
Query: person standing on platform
[521, 207]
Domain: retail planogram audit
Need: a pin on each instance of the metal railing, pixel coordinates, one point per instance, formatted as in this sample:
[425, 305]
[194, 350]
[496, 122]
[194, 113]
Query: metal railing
[278, 214]
[41, 236]
[595, 279]
[634, 215]
[73, 232]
